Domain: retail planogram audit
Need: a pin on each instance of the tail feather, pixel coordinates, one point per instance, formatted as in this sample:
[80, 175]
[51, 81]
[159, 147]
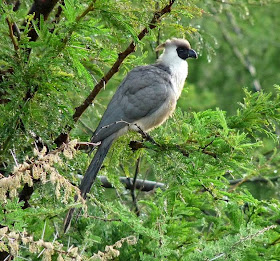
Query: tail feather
[90, 175]
[95, 166]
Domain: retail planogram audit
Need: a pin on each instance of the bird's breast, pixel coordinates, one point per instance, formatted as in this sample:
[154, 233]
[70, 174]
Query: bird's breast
[158, 117]
[178, 80]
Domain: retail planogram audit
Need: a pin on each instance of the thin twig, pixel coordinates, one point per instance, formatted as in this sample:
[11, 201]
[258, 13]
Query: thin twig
[140, 184]
[77, 20]
[8, 256]
[132, 191]
[102, 219]
[217, 257]
[11, 34]
[68, 243]
[145, 135]
[237, 182]
[44, 229]
[249, 237]
[211, 193]
[86, 145]
[14, 157]
[42, 238]
[89, 9]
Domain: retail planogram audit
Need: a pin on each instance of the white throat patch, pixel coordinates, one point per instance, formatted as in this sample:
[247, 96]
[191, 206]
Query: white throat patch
[177, 66]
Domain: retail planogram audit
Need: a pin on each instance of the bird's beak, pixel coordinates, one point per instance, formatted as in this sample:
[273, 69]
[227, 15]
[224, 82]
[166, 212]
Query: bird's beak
[192, 54]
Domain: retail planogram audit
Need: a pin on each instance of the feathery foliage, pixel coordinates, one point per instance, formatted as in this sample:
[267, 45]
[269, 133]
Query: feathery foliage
[217, 156]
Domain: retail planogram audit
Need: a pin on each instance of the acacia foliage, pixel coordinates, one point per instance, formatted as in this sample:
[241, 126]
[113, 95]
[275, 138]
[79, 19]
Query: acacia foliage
[203, 156]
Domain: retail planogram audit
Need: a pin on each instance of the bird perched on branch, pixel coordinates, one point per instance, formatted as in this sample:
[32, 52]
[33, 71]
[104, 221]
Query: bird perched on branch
[144, 100]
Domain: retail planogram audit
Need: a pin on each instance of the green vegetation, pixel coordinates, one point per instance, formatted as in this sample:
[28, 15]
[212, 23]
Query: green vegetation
[218, 156]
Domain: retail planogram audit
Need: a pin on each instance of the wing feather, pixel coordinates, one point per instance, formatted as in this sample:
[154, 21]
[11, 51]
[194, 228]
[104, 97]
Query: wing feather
[141, 93]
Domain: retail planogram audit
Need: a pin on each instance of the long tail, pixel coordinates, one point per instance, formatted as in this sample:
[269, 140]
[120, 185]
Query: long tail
[90, 175]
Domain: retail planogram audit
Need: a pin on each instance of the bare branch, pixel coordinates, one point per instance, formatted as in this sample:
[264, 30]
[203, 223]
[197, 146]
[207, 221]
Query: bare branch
[140, 184]
[132, 191]
[147, 185]
[238, 182]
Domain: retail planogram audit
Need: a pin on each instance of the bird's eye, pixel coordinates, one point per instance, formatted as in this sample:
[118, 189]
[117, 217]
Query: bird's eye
[181, 49]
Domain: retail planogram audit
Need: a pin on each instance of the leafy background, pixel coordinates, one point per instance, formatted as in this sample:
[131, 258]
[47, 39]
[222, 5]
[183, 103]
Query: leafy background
[217, 156]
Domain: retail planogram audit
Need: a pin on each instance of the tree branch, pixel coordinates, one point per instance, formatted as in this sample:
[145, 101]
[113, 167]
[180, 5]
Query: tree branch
[132, 191]
[78, 19]
[238, 182]
[114, 69]
[40, 7]
[11, 34]
[147, 185]
[140, 184]
[58, 13]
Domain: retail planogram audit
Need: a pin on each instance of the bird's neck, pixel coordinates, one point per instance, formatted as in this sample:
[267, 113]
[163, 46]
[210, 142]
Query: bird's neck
[178, 69]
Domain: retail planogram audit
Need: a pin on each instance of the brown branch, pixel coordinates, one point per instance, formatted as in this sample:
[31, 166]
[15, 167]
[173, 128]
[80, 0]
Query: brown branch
[210, 153]
[40, 7]
[114, 69]
[11, 34]
[211, 192]
[136, 145]
[145, 135]
[77, 20]
[238, 182]
[89, 9]
[58, 13]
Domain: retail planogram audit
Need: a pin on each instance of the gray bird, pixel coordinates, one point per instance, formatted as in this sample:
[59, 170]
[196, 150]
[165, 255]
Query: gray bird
[144, 100]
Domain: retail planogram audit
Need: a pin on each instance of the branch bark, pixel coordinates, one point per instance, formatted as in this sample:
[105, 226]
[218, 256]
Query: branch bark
[11, 33]
[40, 7]
[147, 185]
[140, 184]
[132, 191]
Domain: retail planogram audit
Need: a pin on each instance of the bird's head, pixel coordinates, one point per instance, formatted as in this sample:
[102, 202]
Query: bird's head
[176, 48]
